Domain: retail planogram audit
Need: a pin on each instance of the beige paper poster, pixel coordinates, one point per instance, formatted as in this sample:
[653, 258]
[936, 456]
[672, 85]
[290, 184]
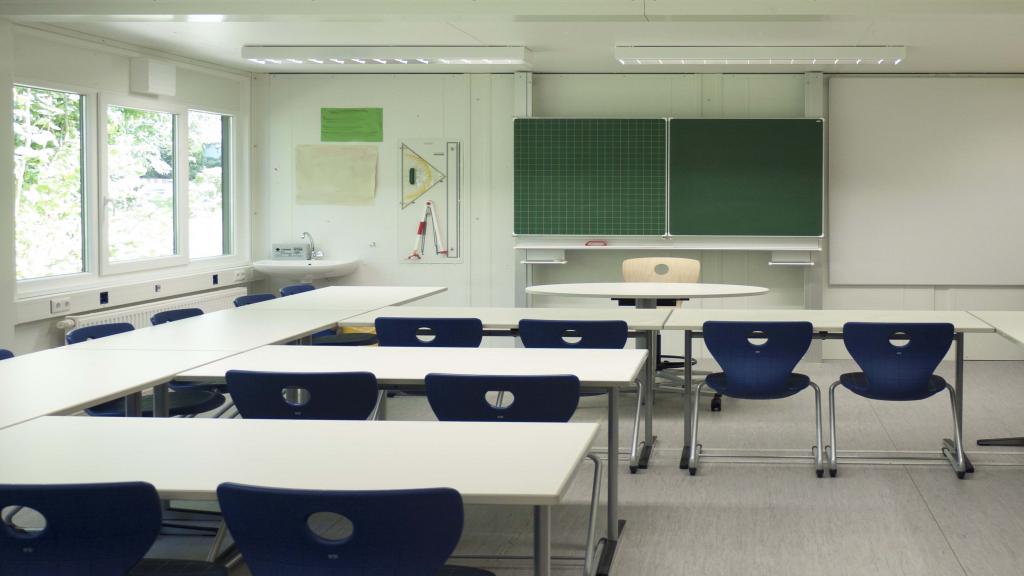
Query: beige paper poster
[335, 174]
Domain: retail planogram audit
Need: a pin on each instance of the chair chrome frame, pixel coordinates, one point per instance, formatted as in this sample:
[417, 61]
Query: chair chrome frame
[695, 447]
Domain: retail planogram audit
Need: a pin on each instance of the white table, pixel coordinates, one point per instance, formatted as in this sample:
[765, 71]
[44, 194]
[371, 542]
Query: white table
[1010, 325]
[504, 321]
[65, 380]
[828, 324]
[403, 368]
[229, 331]
[488, 463]
[646, 295]
[350, 297]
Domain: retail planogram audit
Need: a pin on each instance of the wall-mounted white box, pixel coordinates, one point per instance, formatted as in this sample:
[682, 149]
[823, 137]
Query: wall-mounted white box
[153, 77]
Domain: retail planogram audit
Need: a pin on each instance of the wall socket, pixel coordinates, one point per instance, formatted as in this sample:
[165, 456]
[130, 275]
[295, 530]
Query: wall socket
[241, 275]
[60, 305]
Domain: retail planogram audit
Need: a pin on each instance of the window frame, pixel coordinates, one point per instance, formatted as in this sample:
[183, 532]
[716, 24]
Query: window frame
[229, 233]
[94, 135]
[180, 257]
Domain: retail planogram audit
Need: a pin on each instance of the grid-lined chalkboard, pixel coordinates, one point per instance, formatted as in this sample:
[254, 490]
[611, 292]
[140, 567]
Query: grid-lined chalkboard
[590, 176]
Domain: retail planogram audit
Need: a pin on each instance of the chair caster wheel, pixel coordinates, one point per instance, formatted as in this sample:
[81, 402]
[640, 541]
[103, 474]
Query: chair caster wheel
[693, 471]
[716, 403]
[820, 473]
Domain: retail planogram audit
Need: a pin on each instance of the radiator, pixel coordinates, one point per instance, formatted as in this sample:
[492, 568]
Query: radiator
[139, 315]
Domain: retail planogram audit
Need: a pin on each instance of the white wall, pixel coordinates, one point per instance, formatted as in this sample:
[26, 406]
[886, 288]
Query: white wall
[30, 55]
[474, 109]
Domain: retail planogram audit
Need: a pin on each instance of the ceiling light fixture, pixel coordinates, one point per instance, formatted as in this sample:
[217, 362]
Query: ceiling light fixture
[770, 55]
[439, 56]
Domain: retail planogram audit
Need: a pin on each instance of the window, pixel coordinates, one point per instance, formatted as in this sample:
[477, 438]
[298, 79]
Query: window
[49, 183]
[209, 184]
[141, 199]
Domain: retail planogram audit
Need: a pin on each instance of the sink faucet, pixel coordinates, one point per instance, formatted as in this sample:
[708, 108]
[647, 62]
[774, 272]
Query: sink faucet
[314, 254]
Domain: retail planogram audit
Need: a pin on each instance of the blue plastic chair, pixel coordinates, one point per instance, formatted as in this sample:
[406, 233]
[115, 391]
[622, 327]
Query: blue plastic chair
[399, 532]
[897, 363]
[188, 402]
[331, 337]
[297, 289]
[252, 299]
[554, 398]
[757, 360]
[174, 315]
[303, 396]
[426, 332]
[5, 354]
[606, 334]
[90, 529]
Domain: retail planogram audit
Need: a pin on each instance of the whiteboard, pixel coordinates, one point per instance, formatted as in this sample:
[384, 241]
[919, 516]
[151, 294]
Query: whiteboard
[926, 181]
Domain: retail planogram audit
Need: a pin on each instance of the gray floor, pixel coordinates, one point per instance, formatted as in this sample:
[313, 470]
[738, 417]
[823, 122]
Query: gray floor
[741, 516]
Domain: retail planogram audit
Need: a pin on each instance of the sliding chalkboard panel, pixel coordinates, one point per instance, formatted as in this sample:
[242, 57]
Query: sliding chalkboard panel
[745, 177]
[589, 176]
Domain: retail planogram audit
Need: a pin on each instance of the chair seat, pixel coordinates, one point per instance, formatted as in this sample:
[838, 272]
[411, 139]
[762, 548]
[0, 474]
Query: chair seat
[794, 384]
[181, 403]
[158, 567]
[345, 339]
[857, 383]
[449, 570]
[208, 386]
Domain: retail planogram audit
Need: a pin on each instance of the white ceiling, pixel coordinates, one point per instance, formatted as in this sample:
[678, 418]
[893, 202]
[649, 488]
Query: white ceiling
[564, 35]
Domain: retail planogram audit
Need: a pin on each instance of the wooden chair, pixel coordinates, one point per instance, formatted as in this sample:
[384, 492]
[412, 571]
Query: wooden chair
[665, 269]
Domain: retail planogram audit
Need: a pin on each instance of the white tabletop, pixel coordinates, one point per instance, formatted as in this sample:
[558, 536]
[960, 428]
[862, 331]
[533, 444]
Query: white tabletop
[1008, 323]
[68, 379]
[823, 320]
[408, 366]
[230, 331]
[646, 290]
[488, 463]
[365, 298]
[497, 318]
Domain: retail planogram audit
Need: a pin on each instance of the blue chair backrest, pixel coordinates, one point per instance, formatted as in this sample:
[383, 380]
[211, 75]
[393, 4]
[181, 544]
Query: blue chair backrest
[327, 396]
[252, 299]
[463, 397]
[5, 354]
[97, 331]
[297, 289]
[91, 529]
[588, 333]
[399, 532]
[900, 370]
[758, 369]
[174, 315]
[442, 332]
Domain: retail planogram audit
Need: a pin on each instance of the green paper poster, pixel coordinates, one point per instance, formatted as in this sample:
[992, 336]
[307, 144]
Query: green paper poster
[351, 124]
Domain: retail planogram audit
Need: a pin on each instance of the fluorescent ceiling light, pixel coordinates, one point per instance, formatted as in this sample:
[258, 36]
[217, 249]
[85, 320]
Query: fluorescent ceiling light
[205, 18]
[439, 56]
[773, 55]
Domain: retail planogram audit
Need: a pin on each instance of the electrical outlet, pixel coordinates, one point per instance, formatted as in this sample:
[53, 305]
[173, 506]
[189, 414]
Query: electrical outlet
[216, 279]
[241, 275]
[60, 305]
[157, 288]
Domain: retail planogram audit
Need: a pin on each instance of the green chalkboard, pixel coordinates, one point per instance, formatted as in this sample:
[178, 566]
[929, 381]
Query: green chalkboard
[589, 176]
[745, 177]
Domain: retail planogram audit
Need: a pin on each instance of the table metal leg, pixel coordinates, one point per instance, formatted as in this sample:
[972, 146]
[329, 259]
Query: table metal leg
[684, 460]
[613, 465]
[542, 540]
[161, 402]
[133, 405]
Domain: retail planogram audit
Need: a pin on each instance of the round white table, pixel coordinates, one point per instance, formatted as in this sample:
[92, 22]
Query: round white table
[646, 295]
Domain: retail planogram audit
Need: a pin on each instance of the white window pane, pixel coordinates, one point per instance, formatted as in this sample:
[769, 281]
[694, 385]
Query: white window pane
[49, 223]
[140, 200]
[208, 185]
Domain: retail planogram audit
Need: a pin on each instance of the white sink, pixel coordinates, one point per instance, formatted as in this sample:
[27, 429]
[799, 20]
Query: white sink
[306, 270]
